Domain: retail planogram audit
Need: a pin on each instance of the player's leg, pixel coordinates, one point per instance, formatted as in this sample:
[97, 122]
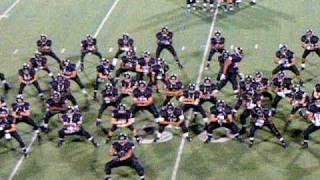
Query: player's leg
[4, 82]
[306, 134]
[61, 135]
[252, 132]
[109, 166]
[161, 129]
[185, 131]
[211, 126]
[171, 49]
[296, 71]
[275, 102]
[18, 138]
[21, 88]
[136, 165]
[153, 110]
[243, 120]
[234, 82]
[45, 125]
[159, 50]
[71, 98]
[87, 135]
[167, 100]
[304, 57]
[102, 108]
[234, 130]
[54, 56]
[276, 133]
[276, 70]
[40, 91]
[211, 54]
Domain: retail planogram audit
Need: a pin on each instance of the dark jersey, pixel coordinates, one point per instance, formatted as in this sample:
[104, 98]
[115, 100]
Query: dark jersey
[122, 150]
[108, 95]
[207, 90]
[59, 104]
[285, 58]
[105, 70]
[122, 115]
[19, 108]
[72, 120]
[129, 62]
[61, 87]
[164, 39]
[27, 74]
[125, 43]
[128, 83]
[310, 40]
[160, 70]
[234, 66]
[89, 44]
[146, 65]
[38, 63]
[69, 69]
[221, 114]
[217, 40]
[44, 43]
[147, 93]
[316, 114]
[175, 116]
[174, 87]
[193, 95]
[6, 123]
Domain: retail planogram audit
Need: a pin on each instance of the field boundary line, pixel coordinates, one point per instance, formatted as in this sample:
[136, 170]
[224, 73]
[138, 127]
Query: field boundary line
[5, 14]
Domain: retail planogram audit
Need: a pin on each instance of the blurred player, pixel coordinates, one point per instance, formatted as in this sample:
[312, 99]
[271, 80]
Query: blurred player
[144, 64]
[122, 118]
[310, 43]
[216, 45]
[172, 88]
[72, 125]
[127, 64]
[315, 93]
[283, 89]
[208, 91]
[123, 155]
[127, 85]
[39, 62]
[172, 115]
[159, 72]
[104, 72]
[27, 76]
[44, 47]
[314, 117]
[6, 85]
[164, 39]
[89, 45]
[125, 44]
[62, 86]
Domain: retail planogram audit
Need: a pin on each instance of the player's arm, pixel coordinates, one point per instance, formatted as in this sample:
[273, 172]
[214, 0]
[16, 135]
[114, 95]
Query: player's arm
[163, 122]
[26, 112]
[230, 117]
[12, 128]
[226, 65]
[213, 118]
[127, 156]
[181, 119]
[112, 151]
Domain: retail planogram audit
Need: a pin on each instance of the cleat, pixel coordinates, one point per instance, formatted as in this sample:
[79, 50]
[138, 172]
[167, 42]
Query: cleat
[60, 143]
[180, 65]
[188, 138]
[156, 139]
[98, 122]
[7, 87]
[243, 130]
[250, 144]
[284, 145]
[305, 145]
[207, 140]
[24, 151]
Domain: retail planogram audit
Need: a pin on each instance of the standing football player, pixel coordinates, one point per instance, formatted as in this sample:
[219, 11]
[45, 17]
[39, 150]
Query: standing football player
[123, 155]
[127, 85]
[216, 45]
[231, 70]
[222, 115]
[128, 63]
[104, 71]
[125, 44]
[121, 118]
[142, 99]
[62, 85]
[72, 125]
[287, 61]
[44, 47]
[314, 117]
[164, 39]
[110, 98]
[89, 45]
[143, 66]
[159, 72]
[8, 129]
[172, 115]
[172, 88]
[4, 82]
[39, 62]
[27, 76]
[310, 43]
[69, 72]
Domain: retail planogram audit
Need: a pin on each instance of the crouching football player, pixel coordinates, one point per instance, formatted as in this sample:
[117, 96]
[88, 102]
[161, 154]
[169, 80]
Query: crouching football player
[314, 117]
[172, 115]
[222, 115]
[89, 45]
[72, 125]
[121, 118]
[123, 155]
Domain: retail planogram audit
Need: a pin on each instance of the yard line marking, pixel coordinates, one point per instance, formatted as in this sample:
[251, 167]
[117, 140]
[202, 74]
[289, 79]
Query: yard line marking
[105, 18]
[135, 48]
[256, 46]
[15, 51]
[176, 166]
[16, 168]
[110, 50]
[62, 50]
[232, 46]
[182, 49]
[6, 13]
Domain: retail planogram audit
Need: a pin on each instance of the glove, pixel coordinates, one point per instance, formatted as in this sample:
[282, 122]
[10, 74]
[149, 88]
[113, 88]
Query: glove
[222, 77]
[7, 135]
[287, 65]
[116, 158]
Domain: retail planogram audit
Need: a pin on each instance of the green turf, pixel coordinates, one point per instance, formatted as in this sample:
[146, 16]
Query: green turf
[269, 23]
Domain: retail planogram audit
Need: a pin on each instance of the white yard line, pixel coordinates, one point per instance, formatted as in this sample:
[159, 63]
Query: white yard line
[256, 46]
[63, 50]
[34, 137]
[110, 50]
[105, 18]
[6, 13]
[183, 48]
[15, 51]
[177, 163]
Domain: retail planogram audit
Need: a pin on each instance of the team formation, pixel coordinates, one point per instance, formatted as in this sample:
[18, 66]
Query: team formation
[138, 78]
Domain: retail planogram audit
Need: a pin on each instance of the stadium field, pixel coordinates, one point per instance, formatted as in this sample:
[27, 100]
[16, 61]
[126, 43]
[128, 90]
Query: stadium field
[257, 29]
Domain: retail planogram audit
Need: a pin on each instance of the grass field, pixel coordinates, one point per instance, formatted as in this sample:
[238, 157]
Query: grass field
[258, 30]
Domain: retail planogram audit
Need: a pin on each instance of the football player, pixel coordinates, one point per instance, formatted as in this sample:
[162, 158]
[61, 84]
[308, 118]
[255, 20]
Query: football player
[190, 100]
[110, 98]
[56, 104]
[208, 4]
[127, 85]
[172, 88]
[121, 118]
[72, 125]
[287, 61]
[263, 84]
[22, 113]
[143, 66]
[39, 62]
[89, 45]
[62, 85]
[44, 47]
[222, 115]
[313, 115]
[263, 118]
[159, 72]
[208, 91]
[216, 45]
[128, 63]
[231, 70]
[27, 76]
[142, 99]
[69, 72]
[191, 5]
[123, 155]
[8, 129]
[310, 43]
[172, 115]
[164, 39]
[316, 93]
[6, 85]
[283, 89]
[221, 59]
[125, 44]
[104, 71]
